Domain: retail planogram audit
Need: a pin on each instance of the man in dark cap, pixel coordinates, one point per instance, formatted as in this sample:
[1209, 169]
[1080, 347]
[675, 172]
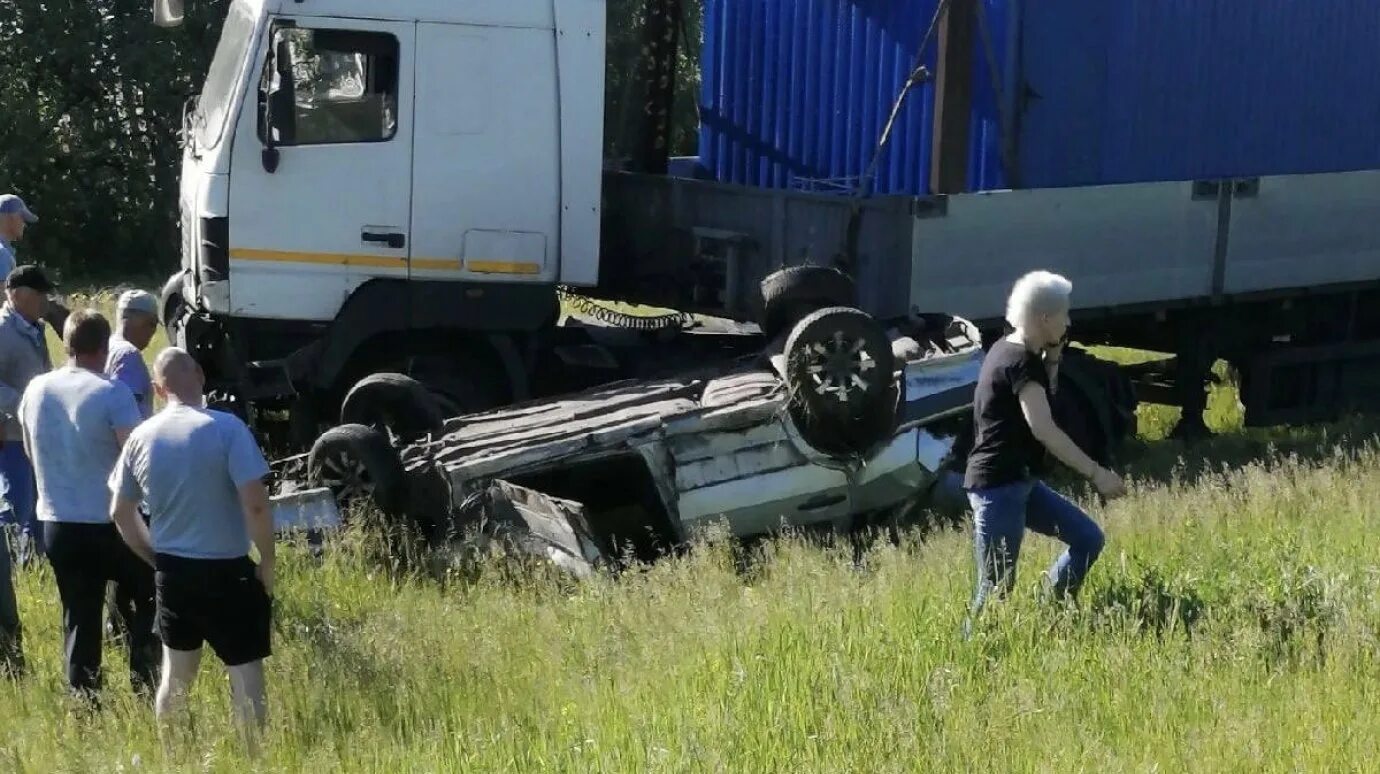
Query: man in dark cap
[23, 355]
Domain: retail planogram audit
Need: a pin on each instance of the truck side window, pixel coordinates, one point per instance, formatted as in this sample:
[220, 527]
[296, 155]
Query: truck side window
[344, 87]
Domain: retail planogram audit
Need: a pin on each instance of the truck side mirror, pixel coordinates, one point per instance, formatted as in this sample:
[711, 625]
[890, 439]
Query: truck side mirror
[167, 13]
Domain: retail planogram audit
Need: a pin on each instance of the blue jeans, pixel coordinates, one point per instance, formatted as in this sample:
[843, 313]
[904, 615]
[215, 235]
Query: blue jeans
[1000, 517]
[22, 494]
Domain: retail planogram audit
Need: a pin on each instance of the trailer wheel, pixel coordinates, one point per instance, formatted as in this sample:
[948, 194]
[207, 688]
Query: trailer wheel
[840, 372]
[785, 293]
[392, 403]
[358, 465]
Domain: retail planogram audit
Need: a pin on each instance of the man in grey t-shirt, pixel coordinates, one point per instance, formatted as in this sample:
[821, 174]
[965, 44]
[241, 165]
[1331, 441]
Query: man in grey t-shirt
[200, 473]
[74, 420]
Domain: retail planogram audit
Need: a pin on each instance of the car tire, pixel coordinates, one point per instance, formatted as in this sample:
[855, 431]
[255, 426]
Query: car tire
[841, 380]
[796, 287]
[357, 463]
[393, 403]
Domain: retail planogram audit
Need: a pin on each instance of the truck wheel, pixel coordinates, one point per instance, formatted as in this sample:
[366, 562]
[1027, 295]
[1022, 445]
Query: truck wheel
[358, 465]
[787, 291]
[170, 300]
[392, 403]
[840, 373]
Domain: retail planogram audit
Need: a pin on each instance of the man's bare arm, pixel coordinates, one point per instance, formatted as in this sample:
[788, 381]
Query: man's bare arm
[258, 517]
[125, 514]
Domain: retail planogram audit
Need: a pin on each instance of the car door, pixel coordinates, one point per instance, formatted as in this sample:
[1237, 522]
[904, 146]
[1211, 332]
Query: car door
[321, 170]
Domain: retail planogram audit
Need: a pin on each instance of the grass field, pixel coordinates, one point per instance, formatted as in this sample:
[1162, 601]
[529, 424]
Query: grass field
[1231, 625]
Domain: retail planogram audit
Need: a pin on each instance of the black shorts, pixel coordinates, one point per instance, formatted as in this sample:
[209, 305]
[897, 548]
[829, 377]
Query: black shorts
[216, 601]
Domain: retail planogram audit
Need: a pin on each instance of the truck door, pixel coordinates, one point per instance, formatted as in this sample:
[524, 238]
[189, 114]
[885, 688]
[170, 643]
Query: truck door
[486, 193]
[321, 170]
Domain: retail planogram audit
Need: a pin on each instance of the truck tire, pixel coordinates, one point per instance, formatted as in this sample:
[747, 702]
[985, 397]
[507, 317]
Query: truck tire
[841, 380]
[358, 464]
[170, 301]
[393, 403]
[787, 291]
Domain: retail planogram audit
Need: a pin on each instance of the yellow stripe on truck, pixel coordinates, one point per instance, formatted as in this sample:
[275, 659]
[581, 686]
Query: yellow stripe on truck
[436, 263]
[341, 259]
[503, 267]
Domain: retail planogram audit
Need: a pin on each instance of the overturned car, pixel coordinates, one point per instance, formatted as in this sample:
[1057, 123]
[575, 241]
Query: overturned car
[836, 422]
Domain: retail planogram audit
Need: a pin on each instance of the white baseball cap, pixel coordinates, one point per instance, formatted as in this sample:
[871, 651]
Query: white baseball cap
[136, 301]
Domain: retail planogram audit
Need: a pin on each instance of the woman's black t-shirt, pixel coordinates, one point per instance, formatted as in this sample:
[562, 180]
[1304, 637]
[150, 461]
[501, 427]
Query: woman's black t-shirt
[1004, 449]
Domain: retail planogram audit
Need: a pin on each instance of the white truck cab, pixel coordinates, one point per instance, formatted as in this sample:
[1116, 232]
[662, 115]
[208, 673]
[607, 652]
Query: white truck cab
[363, 172]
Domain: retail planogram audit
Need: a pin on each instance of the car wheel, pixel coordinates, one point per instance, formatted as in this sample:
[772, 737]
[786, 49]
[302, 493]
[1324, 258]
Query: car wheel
[840, 375]
[358, 465]
[392, 403]
[787, 291]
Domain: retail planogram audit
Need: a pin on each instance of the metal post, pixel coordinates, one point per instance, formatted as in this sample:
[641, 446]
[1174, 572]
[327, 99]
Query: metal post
[953, 98]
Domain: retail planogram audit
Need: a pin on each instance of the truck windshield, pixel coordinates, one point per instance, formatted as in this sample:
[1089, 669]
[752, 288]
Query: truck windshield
[223, 74]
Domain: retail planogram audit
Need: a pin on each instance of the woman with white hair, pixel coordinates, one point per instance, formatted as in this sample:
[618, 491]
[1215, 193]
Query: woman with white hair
[1013, 429]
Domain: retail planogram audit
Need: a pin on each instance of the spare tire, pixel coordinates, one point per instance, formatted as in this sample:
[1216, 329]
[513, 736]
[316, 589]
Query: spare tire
[357, 464]
[786, 291]
[841, 376]
[394, 402]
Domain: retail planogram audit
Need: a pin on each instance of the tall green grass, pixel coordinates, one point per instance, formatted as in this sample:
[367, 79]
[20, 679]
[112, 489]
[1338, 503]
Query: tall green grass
[1231, 624]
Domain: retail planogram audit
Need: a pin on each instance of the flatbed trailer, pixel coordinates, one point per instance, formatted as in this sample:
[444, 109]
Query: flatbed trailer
[1279, 276]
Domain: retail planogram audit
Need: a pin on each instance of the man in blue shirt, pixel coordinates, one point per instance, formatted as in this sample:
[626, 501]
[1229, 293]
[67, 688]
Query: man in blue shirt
[201, 475]
[74, 421]
[136, 320]
[14, 217]
[136, 315]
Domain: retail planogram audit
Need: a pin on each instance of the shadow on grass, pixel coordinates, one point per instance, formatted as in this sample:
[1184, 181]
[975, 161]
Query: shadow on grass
[1164, 461]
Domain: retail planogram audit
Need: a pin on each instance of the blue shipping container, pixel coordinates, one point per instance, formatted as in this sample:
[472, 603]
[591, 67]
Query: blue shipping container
[1196, 89]
[796, 93]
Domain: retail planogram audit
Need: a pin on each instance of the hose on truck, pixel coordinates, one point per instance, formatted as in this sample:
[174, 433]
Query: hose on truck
[592, 308]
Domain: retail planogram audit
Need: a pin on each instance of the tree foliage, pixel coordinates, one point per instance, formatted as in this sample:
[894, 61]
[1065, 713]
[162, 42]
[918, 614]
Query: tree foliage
[90, 108]
[91, 105]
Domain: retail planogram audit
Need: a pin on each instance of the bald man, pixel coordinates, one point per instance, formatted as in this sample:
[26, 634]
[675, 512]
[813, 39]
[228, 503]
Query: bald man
[200, 473]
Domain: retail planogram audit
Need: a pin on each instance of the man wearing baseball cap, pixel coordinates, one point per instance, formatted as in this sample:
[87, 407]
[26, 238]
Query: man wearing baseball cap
[136, 321]
[15, 216]
[136, 318]
[23, 355]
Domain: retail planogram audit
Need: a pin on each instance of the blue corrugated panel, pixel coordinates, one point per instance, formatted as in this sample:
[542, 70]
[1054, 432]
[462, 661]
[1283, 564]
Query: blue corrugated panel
[1193, 89]
[796, 93]
[1098, 91]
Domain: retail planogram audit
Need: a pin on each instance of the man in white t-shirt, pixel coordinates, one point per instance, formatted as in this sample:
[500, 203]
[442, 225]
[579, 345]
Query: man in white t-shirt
[74, 420]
